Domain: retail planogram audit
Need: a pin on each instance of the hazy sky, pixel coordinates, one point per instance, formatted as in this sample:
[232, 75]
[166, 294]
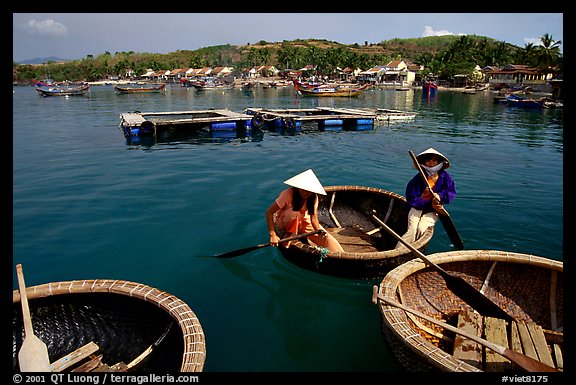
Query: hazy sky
[75, 35]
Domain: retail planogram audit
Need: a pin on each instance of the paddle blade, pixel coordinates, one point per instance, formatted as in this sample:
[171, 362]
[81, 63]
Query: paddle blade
[33, 355]
[477, 300]
[448, 224]
[235, 253]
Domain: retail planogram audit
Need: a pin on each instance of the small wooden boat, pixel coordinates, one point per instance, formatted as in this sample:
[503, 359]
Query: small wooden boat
[527, 287]
[63, 90]
[281, 83]
[211, 84]
[429, 88]
[329, 90]
[346, 212]
[514, 100]
[134, 326]
[139, 88]
[247, 86]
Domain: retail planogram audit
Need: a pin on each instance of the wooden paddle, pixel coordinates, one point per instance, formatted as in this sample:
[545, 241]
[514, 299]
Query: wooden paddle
[520, 359]
[235, 253]
[33, 355]
[146, 353]
[445, 217]
[457, 285]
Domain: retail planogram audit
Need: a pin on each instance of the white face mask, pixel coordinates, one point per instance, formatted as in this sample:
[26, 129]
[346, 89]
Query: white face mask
[433, 170]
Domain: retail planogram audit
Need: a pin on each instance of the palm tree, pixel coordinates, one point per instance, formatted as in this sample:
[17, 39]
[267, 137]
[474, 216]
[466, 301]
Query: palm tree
[548, 53]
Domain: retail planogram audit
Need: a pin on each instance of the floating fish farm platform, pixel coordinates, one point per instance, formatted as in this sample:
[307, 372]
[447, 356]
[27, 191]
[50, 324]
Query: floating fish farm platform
[136, 124]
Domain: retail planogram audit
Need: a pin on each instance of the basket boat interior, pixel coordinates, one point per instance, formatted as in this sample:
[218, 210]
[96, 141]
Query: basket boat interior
[123, 327]
[123, 318]
[350, 208]
[532, 293]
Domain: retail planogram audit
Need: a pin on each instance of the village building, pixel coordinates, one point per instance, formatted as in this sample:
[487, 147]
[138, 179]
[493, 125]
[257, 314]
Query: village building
[514, 74]
[260, 72]
[395, 73]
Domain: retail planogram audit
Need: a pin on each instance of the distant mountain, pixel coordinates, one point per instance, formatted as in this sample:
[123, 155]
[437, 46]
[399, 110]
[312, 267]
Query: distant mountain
[42, 60]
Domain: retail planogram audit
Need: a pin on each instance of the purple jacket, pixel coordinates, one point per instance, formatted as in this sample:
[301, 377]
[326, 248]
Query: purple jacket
[444, 187]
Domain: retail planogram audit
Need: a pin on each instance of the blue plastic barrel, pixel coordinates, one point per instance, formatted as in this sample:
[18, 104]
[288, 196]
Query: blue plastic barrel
[224, 126]
[332, 122]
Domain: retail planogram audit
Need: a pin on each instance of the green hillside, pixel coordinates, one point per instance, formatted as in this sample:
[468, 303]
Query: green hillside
[444, 55]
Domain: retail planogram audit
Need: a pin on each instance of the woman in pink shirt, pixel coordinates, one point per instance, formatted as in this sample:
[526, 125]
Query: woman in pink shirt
[295, 211]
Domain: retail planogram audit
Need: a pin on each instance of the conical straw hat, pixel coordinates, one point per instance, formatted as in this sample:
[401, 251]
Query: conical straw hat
[435, 152]
[308, 181]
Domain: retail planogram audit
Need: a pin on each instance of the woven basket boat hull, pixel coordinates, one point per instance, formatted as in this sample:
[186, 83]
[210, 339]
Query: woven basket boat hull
[365, 256]
[124, 318]
[528, 287]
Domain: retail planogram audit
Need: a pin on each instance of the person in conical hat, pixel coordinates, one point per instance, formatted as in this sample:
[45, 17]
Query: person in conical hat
[429, 154]
[308, 181]
[295, 211]
[424, 204]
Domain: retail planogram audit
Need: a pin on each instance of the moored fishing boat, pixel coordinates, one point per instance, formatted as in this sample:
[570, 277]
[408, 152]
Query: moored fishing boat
[527, 287]
[514, 100]
[429, 88]
[134, 326]
[139, 88]
[346, 212]
[329, 90]
[63, 90]
[281, 83]
[211, 83]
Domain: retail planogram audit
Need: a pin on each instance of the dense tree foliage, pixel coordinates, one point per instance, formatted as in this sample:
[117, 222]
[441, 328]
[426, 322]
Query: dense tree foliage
[442, 55]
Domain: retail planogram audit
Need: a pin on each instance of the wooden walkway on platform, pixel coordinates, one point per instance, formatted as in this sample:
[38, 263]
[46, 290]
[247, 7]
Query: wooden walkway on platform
[135, 119]
[329, 113]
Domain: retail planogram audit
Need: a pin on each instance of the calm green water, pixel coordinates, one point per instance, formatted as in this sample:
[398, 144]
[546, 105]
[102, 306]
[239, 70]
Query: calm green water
[88, 205]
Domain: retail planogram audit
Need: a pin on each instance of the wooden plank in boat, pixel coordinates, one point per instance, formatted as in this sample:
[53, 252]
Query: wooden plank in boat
[353, 240]
[515, 343]
[527, 344]
[495, 331]
[558, 356]
[89, 365]
[119, 367]
[464, 348]
[74, 357]
[540, 344]
[553, 337]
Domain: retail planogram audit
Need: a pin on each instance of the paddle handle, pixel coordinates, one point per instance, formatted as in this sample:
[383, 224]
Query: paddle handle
[28, 329]
[524, 361]
[299, 236]
[414, 250]
[375, 297]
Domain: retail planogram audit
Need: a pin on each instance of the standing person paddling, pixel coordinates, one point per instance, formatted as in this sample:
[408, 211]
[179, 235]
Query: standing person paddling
[295, 211]
[423, 204]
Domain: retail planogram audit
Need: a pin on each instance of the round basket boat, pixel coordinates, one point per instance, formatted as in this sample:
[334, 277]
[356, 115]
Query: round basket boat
[125, 319]
[346, 213]
[529, 288]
